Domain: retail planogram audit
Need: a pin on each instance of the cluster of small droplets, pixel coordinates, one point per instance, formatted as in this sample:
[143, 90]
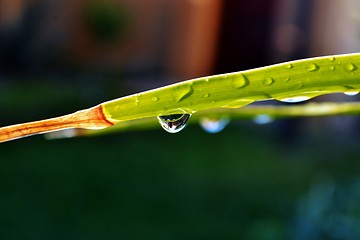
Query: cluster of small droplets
[175, 123]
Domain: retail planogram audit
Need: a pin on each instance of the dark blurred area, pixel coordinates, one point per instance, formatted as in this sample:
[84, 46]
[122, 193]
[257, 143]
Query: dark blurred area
[293, 179]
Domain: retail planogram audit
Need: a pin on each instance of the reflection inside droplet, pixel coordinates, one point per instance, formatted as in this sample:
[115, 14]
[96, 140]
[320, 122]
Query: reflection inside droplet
[173, 123]
[214, 125]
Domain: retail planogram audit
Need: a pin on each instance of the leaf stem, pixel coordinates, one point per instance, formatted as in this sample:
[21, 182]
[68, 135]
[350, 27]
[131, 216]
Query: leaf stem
[91, 118]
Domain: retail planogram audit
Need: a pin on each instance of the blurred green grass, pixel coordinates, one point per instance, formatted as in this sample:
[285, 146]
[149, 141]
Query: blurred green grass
[239, 184]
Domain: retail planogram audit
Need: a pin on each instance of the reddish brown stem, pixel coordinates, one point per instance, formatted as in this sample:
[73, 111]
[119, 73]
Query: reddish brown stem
[92, 118]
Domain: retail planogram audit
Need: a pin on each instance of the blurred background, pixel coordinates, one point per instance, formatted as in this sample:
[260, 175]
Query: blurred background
[293, 179]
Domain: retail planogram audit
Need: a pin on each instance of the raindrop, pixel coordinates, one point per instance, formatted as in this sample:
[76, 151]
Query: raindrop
[353, 93]
[182, 92]
[238, 80]
[207, 95]
[332, 68]
[289, 66]
[174, 123]
[214, 125]
[295, 99]
[312, 67]
[287, 79]
[350, 67]
[268, 81]
[154, 99]
[332, 59]
[263, 119]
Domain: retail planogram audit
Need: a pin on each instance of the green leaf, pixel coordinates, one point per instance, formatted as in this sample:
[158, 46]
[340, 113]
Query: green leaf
[289, 82]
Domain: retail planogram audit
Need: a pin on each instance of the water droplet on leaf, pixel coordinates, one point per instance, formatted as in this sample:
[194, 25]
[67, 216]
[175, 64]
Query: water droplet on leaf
[312, 67]
[332, 59]
[173, 123]
[268, 81]
[353, 93]
[295, 99]
[238, 80]
[289, 66]
[350, 67]
[332, 68]
[238, 103]
[182, 92]
[214, 125]
[297, 86]
[263, 119]
[154, 99]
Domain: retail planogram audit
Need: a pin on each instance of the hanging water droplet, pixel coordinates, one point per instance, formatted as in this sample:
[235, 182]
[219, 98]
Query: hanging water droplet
[214, 125]
[263, 119]
[353, 93]
[182, 92]
[289, 66]
[238, 80]
[66, 133]
[295, 99]
[154, 99]
[350, 67]
[312, 67]
[268, 81]
[173, 123]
